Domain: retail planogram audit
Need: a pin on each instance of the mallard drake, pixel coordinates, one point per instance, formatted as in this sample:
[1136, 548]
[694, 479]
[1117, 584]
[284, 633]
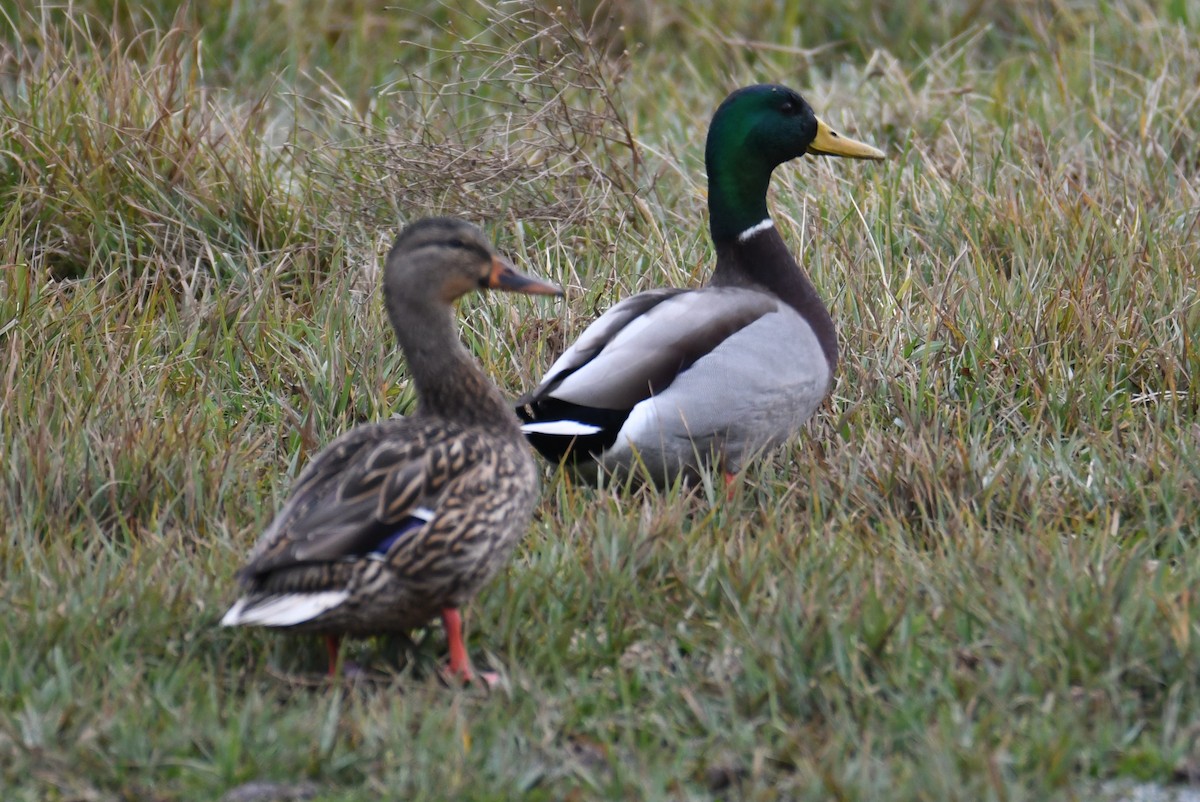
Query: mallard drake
[396, 522]
[674, 380]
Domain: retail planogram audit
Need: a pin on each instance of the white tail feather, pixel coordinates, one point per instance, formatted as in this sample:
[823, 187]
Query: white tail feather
[562, 428]
[284, 610]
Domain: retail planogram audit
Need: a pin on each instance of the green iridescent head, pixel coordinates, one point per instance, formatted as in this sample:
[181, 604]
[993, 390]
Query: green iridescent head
[754, 130]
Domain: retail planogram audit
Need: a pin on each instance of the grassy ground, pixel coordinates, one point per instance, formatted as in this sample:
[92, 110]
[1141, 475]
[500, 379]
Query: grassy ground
[974, 577]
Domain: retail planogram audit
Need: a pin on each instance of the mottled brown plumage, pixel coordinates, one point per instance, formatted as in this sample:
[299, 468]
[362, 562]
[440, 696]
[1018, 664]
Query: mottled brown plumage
[397, 521]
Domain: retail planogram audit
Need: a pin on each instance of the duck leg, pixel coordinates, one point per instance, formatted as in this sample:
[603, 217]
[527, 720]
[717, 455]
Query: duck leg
[333, 646]
[730, 485]
[460, 664]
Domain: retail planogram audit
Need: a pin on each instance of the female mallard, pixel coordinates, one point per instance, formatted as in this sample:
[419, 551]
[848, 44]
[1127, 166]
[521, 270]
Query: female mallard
[397, 521]
[674, 380]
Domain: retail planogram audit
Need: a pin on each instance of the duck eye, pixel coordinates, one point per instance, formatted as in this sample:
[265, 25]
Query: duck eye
[788, 107]
[457, 243]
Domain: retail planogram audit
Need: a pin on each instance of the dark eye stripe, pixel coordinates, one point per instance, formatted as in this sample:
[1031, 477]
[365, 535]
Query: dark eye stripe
[463, 245]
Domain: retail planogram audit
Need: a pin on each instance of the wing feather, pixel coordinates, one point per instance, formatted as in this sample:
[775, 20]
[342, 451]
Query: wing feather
[636, 350]
[354, 494]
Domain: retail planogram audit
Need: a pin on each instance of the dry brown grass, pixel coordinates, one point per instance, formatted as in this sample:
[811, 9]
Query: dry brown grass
[972, 578]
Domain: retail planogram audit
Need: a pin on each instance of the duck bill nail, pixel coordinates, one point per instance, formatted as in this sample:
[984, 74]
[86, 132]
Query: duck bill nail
[830, 143]
[505, 277]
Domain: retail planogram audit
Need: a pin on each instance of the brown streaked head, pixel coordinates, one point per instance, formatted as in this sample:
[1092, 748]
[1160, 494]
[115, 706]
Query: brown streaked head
[449, 258]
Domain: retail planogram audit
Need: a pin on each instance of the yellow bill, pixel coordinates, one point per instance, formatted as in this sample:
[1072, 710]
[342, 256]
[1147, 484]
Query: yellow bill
[830, 143]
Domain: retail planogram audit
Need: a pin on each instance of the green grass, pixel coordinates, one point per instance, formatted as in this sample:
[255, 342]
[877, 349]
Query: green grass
[973, 577]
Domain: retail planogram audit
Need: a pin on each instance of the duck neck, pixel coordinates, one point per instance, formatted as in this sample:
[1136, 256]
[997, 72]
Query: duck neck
[737, 193]
[757, 257]
[449, 382]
